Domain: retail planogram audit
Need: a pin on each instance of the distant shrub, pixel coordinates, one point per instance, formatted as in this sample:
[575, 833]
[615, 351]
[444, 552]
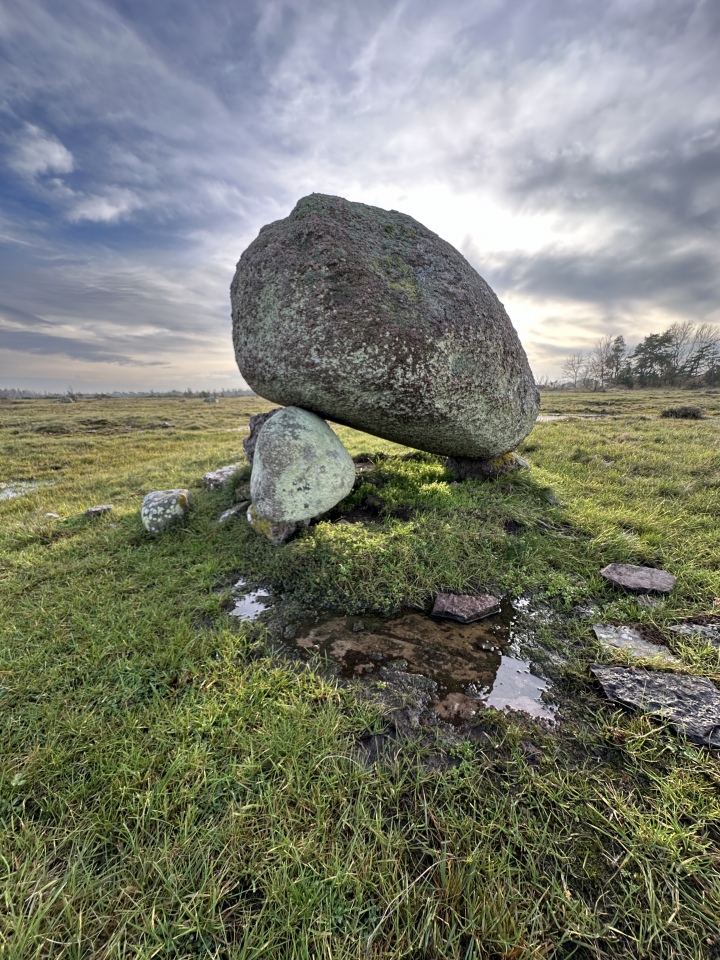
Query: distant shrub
[683, 413]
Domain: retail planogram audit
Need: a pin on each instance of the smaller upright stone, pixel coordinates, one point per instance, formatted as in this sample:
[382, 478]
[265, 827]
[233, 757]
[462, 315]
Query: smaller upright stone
[219, 479]
[300, 468]
[465, 608]
[257, 422]
[99, 510]
[466, 468]
[162, 508]
[639, 579]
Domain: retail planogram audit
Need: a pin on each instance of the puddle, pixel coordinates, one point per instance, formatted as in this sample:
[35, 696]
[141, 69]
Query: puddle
[249, 605]
[473, 665]
[17, 488]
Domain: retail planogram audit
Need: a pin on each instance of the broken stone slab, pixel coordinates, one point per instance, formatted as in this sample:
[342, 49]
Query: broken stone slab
[52, 516]
[161, 508]
[239, 508]
[639, 579]
[98, 510]
[219, 479]
[631, 640]
[690, 704]
[464, 607]
[706, 631]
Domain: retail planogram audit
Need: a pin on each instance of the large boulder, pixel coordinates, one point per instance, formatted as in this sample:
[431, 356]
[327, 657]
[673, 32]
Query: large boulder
[300, 468]
[367, 318]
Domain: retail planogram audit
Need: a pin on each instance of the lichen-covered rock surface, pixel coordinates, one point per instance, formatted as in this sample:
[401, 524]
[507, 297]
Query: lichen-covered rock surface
[367, 318]
[161, 508]
[300, 468]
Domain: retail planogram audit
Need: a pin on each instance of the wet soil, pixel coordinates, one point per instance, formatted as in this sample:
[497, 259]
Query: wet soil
[467, 667]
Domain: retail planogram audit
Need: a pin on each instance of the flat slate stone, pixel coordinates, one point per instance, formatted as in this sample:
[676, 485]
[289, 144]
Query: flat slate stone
[708, 631]
[691, 704]
[639, 579]
[627, 638]
[219, 479]
[464, 608]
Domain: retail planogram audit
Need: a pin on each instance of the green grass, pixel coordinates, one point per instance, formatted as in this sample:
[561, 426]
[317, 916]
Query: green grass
[168, 789]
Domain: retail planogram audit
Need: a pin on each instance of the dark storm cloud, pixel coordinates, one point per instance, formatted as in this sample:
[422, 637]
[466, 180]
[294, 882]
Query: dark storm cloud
[575, 146]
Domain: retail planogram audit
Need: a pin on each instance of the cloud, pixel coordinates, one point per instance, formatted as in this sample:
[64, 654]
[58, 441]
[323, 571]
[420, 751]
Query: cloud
[36, 152]
[571, 152]
[115, 205]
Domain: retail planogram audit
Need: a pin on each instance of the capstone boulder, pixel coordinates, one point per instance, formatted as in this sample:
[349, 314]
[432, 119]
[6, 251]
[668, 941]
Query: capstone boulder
[367, 318]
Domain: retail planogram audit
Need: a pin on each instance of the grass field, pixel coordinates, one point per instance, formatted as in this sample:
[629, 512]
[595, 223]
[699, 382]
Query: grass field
[169, 788]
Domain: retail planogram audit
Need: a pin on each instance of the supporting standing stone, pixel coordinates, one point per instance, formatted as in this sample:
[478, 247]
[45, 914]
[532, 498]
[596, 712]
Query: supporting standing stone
[300, 469]
[639, 579]
[465, 468]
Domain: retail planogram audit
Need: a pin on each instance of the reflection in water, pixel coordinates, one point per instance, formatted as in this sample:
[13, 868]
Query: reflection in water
[250, 605]
[472, 664]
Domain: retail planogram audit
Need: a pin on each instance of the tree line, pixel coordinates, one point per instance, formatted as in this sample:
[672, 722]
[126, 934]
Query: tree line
[686, 354]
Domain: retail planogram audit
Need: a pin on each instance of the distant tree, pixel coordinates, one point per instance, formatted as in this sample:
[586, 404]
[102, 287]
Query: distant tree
[601, 360]
[616, 358]
[574, 366]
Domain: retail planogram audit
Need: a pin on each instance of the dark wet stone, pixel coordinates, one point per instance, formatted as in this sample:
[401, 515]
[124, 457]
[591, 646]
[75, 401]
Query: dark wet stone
[466, 468]
[631, 640]
[464, 608]
[639, 579]
[358, 626]
[276, 531]
[220, 478]
[367, 318]
[691, 704]
[98, 510]
[257, 422]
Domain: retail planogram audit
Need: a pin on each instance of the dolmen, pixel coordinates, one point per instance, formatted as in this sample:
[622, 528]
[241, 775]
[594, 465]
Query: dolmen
[364, 317]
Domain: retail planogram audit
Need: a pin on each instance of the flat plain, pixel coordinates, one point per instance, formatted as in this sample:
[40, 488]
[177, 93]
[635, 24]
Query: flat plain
[173, 785]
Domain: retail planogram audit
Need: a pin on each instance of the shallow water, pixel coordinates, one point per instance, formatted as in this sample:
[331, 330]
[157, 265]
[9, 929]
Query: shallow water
[17, 488]
[474, 665]
[249, 605]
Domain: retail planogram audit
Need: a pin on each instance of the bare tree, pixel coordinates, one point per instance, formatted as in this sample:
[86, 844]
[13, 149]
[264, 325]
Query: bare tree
[601, 359]
[573, 367]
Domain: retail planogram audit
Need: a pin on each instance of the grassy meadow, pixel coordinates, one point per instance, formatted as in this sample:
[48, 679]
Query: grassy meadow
[170, 787]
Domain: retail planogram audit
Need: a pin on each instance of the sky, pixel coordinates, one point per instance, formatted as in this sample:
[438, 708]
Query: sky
[569, 149]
